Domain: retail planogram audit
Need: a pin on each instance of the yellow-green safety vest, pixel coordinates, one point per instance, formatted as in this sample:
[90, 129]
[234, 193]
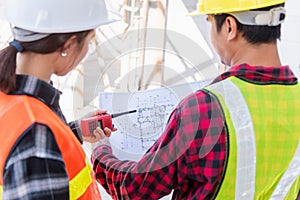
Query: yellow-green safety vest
[263, 141]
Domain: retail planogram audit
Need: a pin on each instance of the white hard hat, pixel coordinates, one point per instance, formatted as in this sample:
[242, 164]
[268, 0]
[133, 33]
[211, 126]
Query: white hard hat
[57, 16]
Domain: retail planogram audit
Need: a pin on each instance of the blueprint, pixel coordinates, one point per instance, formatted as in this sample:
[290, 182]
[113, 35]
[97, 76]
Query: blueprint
[138, 131]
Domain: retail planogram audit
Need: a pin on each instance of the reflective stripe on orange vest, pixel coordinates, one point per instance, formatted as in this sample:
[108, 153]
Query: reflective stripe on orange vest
[19, 112]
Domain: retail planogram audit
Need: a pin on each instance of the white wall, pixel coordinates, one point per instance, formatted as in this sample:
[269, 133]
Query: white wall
[290, 44]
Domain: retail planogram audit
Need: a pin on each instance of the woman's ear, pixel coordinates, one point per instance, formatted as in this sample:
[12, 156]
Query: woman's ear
[69, 46]
[231, 28]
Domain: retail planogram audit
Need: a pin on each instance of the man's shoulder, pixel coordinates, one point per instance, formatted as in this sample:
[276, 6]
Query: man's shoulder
[200, 97]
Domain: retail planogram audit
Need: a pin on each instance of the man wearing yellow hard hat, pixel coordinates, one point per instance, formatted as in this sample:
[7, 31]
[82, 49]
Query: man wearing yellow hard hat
[239, 137]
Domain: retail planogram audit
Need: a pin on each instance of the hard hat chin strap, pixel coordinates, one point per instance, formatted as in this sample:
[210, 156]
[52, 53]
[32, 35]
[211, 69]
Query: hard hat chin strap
[272, 17]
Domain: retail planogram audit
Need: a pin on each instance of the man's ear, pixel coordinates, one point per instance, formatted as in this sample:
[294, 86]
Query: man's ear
[231, 28]
[69, 45]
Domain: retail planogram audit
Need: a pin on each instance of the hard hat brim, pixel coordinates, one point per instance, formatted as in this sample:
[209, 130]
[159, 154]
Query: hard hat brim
[195, 13]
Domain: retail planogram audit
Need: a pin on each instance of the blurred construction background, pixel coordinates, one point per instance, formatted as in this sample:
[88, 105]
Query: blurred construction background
[155, 44]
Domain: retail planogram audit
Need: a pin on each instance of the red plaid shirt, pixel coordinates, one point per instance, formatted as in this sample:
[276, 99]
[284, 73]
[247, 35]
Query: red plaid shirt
[189, 157]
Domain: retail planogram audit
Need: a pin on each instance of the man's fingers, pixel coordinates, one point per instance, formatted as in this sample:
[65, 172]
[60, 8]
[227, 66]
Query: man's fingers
[107, 132]
[95, 137]
[99, 133]
[99, 112]
[92, 139]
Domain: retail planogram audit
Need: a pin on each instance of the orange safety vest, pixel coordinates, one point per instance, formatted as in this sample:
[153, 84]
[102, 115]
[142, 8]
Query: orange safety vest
[19, 112]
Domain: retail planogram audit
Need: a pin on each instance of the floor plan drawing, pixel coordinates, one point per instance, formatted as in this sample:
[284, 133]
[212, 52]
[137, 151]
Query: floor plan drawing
[138, 131]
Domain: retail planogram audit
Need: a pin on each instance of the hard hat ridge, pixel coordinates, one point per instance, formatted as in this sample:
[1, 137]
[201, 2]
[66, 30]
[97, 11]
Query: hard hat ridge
[230, 6]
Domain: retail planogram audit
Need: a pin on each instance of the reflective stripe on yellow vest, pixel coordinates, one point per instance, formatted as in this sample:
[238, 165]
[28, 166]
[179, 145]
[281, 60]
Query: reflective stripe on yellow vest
[288, 177]
[262, 128]
[19, 112]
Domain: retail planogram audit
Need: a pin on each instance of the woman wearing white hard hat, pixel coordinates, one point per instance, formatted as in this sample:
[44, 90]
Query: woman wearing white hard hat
[40, 157]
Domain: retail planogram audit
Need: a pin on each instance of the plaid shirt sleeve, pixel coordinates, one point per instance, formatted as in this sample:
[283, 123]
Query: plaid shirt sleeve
[35, 168]
[188, 158]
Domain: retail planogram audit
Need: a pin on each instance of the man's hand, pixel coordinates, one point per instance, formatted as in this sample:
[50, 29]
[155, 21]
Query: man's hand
[99, 136]
[94, 113]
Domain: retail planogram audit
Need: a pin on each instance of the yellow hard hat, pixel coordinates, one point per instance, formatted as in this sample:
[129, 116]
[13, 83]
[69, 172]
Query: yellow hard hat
[229, 6]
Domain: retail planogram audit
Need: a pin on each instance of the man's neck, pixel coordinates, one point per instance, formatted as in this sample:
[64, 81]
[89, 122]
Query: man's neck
[257, 55]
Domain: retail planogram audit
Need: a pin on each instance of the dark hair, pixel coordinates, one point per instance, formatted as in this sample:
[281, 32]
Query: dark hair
[252, 33]
[46, 45]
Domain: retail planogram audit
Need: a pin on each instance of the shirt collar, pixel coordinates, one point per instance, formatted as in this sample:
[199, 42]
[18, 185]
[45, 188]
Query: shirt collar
[35, 87]
[261, 74]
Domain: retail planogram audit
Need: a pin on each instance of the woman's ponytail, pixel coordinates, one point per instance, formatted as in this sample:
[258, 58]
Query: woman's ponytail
[8, 69]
